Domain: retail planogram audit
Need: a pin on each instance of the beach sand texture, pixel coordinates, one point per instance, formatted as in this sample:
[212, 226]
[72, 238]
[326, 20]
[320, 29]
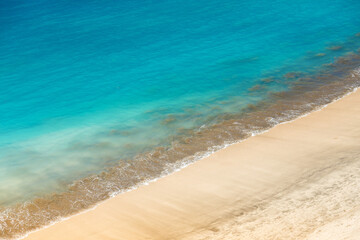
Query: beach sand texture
[299, 180]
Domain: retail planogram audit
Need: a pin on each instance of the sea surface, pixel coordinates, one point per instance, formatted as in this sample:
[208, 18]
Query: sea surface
[97, 97]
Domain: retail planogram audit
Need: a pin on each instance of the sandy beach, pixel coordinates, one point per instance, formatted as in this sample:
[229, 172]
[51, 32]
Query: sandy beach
[300, 180]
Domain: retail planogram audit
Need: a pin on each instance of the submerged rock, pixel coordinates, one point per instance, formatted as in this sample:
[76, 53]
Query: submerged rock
[335, 48]
[267, 80]
[291, 75]
[168, 120]
[257, 87]
[320, 54]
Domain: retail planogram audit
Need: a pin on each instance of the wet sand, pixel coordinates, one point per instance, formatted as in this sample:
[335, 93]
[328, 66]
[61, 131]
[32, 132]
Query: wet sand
[300, 180]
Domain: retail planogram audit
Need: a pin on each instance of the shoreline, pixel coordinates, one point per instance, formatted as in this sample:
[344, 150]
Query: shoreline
[298, 101]
[208, 194]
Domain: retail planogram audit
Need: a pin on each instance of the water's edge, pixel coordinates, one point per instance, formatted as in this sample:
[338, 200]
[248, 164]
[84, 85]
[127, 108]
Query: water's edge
[207, 154]
[306, 95]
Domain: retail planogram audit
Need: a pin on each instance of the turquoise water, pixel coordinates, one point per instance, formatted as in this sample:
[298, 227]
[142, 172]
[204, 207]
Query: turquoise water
[86, 84]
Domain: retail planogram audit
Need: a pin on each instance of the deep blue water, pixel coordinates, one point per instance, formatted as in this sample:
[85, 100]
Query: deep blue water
[86, 83]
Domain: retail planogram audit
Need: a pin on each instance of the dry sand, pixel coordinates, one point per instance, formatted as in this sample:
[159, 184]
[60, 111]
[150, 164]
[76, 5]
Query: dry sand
[300, 180]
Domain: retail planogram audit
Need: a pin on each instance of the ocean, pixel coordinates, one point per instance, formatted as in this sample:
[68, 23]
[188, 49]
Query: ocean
[97, 97]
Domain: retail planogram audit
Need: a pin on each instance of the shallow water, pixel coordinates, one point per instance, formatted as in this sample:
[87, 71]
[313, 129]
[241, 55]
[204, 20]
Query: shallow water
[98, 97]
